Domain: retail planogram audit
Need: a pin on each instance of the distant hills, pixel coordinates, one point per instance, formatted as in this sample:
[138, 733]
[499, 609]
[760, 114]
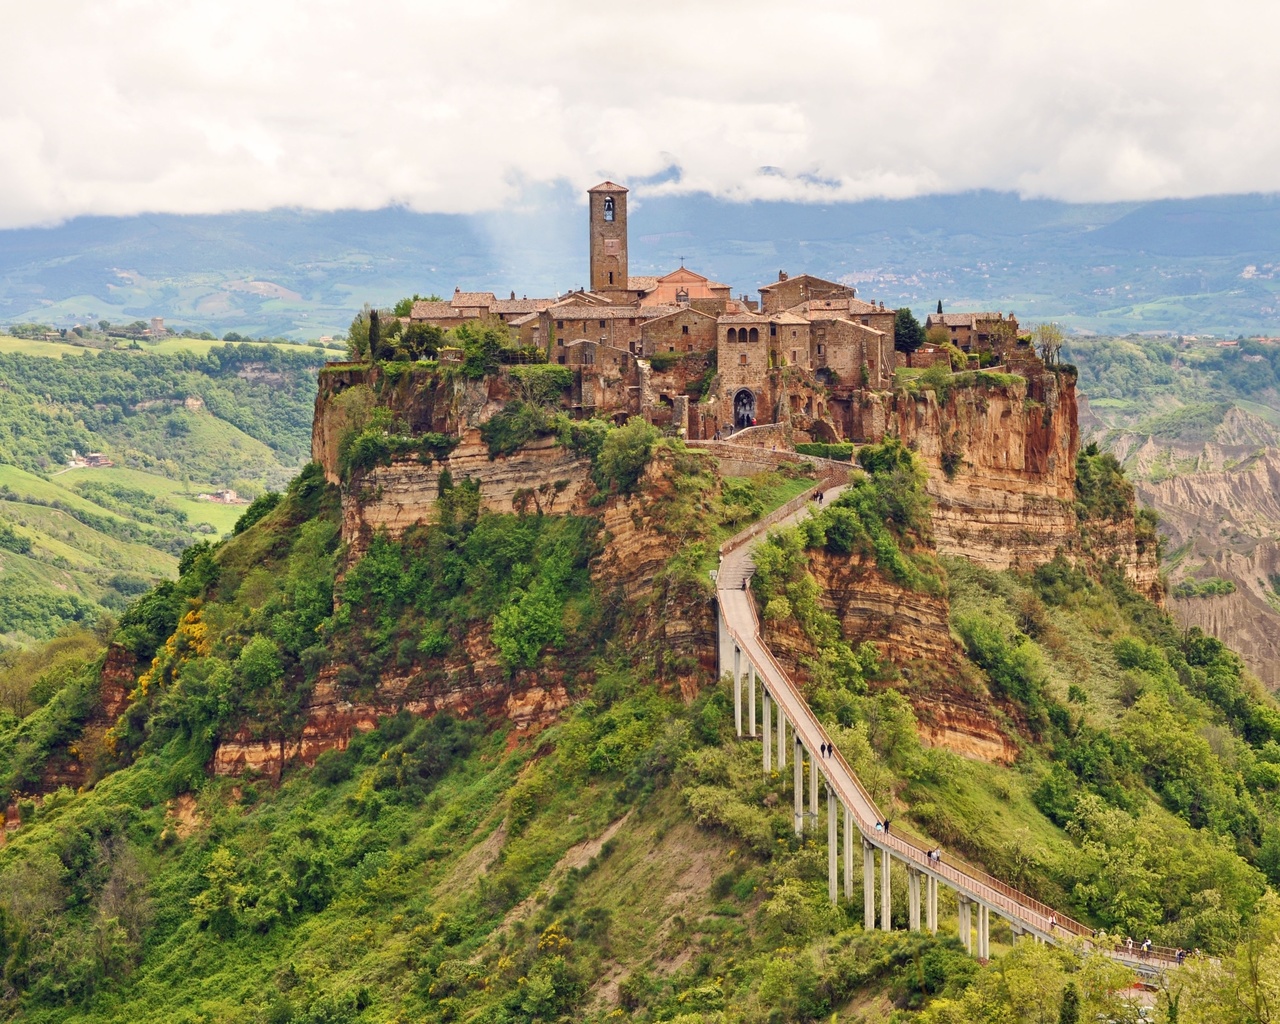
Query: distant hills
[1185, 266]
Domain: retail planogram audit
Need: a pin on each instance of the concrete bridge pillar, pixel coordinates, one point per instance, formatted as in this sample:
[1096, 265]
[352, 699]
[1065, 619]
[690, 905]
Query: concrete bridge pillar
[782, 740]
[813, 787]
[768, 728]
[751, 697]
[931, 905]
[833, 824]
[868, 886]
[1015, 933]
[984, 932]
[737, 690]
[913, 899]
[886, 918]
[799, 781]
[966, 925]
[848, 854]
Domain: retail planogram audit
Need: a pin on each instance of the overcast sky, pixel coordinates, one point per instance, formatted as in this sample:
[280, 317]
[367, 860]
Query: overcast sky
[125, 106]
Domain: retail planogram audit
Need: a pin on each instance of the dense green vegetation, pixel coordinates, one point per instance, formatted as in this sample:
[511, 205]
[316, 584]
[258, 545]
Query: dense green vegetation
[77, 543]
[630, 861]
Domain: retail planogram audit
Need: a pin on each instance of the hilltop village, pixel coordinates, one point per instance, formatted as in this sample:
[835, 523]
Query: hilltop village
[681, 351]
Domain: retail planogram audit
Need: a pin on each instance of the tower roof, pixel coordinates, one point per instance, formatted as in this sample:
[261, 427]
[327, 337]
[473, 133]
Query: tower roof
[608, 186]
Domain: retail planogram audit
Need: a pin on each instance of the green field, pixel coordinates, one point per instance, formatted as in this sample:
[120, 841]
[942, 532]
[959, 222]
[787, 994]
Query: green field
[201, 347]
[32, 347]
[170, 346]
[221, 517]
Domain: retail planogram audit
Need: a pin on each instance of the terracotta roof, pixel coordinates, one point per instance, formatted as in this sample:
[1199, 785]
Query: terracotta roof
[862, 327]
[802, 277]
[742, 318]
[652, 313]
[424, 310]
[485, 299]
[583, 312]
[520, 321]
[642, 284]
[787, 318]
[846, 304]
[520, 305]
[608, 186]
[960, 319]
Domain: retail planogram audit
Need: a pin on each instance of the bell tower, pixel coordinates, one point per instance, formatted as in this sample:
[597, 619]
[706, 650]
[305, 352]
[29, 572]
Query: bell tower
[608, 217]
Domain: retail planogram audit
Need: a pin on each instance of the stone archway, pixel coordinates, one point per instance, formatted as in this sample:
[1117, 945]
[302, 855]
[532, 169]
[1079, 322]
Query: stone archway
[744, 408]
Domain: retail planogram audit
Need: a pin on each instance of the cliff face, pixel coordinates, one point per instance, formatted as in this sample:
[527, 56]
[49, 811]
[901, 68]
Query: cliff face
[1225, 520]
[541, 477]
[1012, 448]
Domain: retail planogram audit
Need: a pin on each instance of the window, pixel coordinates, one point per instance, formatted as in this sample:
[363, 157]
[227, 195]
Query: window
[755, 335]
[683, 330]
[793, 332]
[602, 322]
[794, 356]
[819, 350]
[773, 330]
[733, 334]
[560, 342]
[608, 208]
[742, 359]
[562, 360]
[560, 325]
[671, 348]
[611, 277]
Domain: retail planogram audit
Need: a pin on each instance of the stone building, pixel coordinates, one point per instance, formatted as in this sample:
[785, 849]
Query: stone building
[973, 331]
[681, 351]
[791, 291]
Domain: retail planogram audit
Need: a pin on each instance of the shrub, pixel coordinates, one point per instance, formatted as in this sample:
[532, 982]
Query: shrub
[841, 451]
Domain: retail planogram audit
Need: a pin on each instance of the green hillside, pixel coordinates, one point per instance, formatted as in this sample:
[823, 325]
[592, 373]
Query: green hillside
[630, 861]
[174, 427]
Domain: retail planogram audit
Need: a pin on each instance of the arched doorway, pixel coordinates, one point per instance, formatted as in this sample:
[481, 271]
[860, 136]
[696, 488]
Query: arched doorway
[744, 408]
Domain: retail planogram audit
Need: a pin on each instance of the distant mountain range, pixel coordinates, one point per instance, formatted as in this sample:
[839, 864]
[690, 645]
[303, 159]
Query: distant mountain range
[1185, 266]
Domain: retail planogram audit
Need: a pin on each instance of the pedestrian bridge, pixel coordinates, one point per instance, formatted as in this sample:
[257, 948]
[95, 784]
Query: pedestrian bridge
[789, 732]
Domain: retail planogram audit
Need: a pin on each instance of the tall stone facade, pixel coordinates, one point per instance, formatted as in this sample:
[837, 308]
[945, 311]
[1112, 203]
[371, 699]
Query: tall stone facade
[607, 205]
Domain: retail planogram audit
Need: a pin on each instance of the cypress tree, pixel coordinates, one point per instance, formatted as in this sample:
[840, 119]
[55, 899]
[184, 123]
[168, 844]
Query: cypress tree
[1070, 1012]
[374, 339]
[939, 307]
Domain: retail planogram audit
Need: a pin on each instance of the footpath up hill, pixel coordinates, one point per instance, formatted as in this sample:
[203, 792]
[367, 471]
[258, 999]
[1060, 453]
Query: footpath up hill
[479, 767]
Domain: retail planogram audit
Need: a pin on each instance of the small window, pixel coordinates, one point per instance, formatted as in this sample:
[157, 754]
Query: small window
[793, 333]
[671, 348]
[560, 342]
[562, 360]
[755, 334]
[773, 330]
[608, 208]
[742, 359]
[560, 325]
[610, 278]
[794, 356]
[819, 350]
[683, 330]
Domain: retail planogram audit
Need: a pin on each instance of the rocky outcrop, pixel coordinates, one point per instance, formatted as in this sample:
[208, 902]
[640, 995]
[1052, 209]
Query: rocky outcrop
[334, 717]
[1225, 523]
[1011, 448]
[541, 477]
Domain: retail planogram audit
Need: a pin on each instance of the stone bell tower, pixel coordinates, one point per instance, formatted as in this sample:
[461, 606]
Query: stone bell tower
[608, 213]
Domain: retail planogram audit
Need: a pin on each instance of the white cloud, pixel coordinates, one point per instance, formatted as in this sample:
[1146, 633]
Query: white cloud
[122, 106]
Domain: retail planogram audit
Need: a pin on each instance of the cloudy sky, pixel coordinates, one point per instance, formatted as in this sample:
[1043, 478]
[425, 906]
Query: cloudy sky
[126, 106]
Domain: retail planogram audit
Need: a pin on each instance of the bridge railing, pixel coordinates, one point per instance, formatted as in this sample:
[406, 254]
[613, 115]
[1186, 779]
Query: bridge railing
[830, 478]
[959, 871]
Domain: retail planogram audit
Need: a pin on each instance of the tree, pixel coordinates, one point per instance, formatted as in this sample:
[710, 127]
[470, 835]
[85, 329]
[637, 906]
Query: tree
[1069, 1012]
[908, 335]
[1048, 340]
[939, 307]
[625, 453]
